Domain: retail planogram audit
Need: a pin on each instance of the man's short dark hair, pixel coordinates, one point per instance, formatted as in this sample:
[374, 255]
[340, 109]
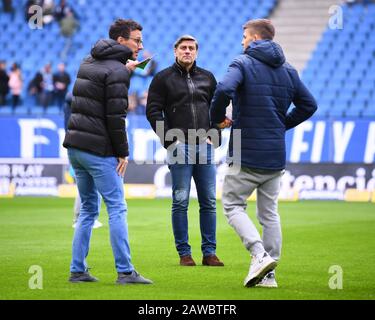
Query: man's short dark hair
[262, 27]
[186, 37]
[122, 28]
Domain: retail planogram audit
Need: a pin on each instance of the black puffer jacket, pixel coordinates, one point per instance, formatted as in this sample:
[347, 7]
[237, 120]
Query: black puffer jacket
[100, 101]
[181, 100]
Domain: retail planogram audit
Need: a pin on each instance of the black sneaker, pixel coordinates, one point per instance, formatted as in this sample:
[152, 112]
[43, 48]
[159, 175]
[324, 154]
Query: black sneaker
[82, 277]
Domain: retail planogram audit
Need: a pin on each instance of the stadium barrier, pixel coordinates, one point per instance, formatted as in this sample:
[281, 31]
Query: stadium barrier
[327, 159]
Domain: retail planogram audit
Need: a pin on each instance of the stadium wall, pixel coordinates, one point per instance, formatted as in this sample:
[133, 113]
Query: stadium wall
[327, 159]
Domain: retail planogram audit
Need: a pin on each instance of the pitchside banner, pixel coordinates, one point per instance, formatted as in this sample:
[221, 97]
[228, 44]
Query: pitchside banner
[300, 181]
[314, 141]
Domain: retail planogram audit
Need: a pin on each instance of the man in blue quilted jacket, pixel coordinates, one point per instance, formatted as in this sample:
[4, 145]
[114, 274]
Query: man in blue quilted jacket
[262, 86]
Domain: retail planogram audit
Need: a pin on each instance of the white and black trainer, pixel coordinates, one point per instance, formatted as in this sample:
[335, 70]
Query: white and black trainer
[259, 267]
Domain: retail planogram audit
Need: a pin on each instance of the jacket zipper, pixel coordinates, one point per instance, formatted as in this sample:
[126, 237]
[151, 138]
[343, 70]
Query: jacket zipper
[192, 89]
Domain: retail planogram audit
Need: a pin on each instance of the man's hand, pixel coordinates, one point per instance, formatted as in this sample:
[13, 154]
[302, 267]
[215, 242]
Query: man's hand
[121, 167]
[132, 64]
[225, 124]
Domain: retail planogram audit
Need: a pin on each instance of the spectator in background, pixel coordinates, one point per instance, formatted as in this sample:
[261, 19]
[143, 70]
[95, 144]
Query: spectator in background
[47, 86]
[42, 86]
[142, 103]
[62, 10]
[15, 84]
[132, 102]
[35, 87]
[7, 6]
[48, 11]
[4, 79]
[68, 27]
[61, 82]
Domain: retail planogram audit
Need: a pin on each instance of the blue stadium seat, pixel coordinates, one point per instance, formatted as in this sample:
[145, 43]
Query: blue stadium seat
[37, 111]
[21, 110]
[6, 110]
[369, 111]
[353, 75]
[53, 110]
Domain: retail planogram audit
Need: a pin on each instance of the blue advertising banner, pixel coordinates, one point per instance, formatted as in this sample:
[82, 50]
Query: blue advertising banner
[314, 141]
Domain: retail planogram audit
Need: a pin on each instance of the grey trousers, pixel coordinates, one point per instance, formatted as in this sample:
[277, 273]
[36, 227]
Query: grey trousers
[239, 184]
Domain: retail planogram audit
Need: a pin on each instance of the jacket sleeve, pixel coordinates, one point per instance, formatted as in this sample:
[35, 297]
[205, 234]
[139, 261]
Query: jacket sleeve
[304, 102]
[225, 91]
[214, 125]
[155, 109]
[116, 106]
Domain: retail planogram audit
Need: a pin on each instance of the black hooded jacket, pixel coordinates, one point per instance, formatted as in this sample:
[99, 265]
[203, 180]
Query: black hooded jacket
[100, 101]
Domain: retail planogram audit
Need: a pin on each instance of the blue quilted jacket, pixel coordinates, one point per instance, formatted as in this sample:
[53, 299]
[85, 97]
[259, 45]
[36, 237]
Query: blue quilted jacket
[262, 87]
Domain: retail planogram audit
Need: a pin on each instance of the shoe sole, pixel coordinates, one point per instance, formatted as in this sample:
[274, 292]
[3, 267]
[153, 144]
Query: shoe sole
[81, 281]
[130, 283]
[255, 280]
[212, 265]
[266, 286]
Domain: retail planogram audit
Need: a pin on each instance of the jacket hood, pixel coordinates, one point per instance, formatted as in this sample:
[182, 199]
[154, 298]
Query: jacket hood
[108, 49]
[266, 51]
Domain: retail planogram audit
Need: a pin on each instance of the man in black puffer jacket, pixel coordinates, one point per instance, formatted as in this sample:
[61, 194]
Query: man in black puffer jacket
[178, 101]
[97, 145]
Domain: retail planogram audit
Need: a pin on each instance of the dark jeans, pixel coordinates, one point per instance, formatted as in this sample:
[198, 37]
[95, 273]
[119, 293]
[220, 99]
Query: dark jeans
[15, 101]
[205, 180]
[60, 98]
[2, 99]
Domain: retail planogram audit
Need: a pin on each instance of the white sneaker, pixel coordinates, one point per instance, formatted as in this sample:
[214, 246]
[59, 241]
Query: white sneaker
[269, 281]
[74, 225]
[259, 267]
[97, 224]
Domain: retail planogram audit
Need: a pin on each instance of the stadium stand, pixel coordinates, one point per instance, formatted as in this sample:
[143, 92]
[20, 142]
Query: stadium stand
[341, 70]
[220, 37]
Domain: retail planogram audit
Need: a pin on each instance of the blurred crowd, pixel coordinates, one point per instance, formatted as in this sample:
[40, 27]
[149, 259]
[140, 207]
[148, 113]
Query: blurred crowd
[47, 87]
[50, 85]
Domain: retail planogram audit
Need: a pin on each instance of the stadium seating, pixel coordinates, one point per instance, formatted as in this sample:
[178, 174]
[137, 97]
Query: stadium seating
[216, 25]
[341, 71]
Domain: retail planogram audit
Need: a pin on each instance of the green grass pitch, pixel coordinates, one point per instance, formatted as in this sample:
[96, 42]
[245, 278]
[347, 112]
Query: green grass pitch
[316, 236]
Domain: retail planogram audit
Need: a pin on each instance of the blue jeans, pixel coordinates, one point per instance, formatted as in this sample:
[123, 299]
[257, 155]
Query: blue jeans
[205, 180]
[98, 174]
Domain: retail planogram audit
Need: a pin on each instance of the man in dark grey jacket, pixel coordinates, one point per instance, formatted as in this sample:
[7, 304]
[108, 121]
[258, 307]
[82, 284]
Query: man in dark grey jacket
[98, 148]
[262, 86]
